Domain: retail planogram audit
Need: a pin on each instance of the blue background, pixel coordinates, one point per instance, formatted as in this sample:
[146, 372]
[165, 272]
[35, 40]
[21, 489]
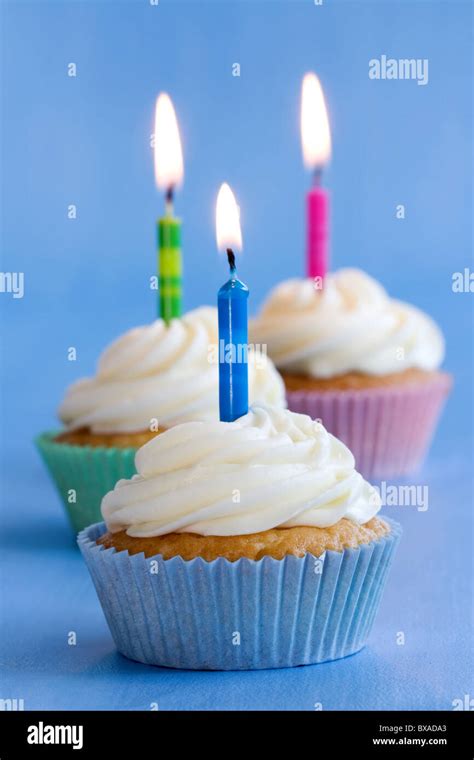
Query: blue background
[85, 141]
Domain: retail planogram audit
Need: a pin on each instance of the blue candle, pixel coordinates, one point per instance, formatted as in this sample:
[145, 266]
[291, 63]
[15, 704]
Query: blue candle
[233, 320]
[233, 346]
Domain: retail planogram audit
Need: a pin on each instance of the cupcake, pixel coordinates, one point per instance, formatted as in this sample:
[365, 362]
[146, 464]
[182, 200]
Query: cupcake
[148, 380]
[242, 545]
[365, 364]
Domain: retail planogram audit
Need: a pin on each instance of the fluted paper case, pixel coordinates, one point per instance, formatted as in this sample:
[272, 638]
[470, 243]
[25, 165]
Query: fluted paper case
[90, 471]
[242, 615]
[388, 429]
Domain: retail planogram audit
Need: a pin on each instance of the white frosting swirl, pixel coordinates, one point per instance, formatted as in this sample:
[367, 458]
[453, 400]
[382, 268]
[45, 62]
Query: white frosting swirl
[350, 326]
[271, 468]
[162, 372]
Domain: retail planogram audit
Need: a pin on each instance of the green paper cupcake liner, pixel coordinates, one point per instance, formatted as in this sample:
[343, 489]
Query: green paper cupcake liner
[84, 474]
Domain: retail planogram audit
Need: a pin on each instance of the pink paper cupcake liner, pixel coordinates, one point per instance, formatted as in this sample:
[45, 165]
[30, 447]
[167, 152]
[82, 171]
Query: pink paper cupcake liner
[388, 429]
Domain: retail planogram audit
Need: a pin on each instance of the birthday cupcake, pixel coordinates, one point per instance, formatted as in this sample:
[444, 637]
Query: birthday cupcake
[242, 545]
[148, 380]
[365, 364]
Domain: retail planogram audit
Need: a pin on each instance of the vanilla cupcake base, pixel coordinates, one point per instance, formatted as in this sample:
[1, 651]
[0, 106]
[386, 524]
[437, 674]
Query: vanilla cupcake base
[85, 437]
[352, 381]
[240, 615]
[276, 543]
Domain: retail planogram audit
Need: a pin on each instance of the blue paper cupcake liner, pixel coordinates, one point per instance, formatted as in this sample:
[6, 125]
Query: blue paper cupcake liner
[244, 615]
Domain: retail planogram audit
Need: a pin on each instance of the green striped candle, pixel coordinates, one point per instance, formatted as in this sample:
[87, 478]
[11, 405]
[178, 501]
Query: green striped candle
[169, 171]
[170, 268]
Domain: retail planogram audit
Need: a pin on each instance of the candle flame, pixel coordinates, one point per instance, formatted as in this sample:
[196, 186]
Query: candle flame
[315, 133]
[168, 154]
[228, 231]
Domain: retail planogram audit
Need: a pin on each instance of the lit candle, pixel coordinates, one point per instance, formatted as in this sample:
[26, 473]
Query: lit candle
[232, 312]
[168, 175]
[316, 143]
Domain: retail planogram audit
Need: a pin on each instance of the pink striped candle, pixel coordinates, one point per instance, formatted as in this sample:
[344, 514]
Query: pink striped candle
[316, 144]
[317, 242]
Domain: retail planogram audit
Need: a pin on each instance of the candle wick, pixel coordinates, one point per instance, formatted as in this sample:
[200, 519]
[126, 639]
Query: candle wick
[169, 196]
[231, 259]
[317, 176]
